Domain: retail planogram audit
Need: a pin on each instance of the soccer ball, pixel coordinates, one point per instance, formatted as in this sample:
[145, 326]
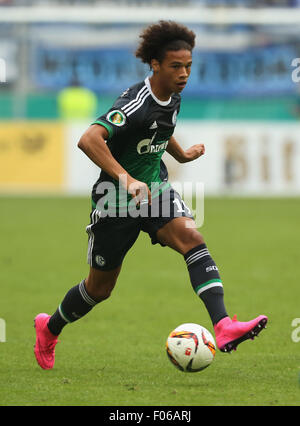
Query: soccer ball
[190, 347]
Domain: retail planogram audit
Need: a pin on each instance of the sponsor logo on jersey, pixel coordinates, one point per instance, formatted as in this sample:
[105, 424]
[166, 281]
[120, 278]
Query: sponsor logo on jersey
[116, 117]
[145, 147]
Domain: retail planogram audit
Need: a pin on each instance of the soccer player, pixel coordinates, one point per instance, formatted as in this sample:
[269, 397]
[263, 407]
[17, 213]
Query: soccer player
[133, 194]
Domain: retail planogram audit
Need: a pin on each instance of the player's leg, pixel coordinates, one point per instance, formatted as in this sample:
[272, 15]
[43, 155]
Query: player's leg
[181, 235]
[109, 241]
[207, 283]
[78, 301]
[99, 284]
[81, 299]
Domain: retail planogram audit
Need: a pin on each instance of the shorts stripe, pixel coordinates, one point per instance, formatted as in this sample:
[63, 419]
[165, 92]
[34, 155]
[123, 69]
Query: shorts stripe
[94, 219]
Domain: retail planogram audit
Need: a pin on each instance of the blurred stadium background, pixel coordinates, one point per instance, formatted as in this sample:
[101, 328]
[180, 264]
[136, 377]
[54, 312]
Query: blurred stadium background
[62, 63]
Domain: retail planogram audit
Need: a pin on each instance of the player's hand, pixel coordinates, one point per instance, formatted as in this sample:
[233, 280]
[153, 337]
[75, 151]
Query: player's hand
[138, 190]
[195, 152]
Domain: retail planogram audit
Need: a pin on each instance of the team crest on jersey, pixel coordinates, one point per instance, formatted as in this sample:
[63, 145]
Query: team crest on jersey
[116, 117]
[174, 117]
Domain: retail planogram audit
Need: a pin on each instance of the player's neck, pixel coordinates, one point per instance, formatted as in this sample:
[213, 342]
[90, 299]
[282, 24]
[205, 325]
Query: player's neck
[160, 92]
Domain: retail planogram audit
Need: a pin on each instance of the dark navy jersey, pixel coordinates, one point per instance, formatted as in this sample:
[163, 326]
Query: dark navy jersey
[139, 127]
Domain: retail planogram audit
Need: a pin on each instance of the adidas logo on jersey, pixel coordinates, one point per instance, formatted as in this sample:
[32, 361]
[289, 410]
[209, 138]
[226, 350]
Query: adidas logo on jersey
[153, 125]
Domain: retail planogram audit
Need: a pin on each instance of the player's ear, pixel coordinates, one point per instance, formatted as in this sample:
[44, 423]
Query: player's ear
[155, 65]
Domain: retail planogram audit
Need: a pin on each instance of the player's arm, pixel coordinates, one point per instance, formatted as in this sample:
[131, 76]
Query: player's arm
[93, 144]
[184, 156]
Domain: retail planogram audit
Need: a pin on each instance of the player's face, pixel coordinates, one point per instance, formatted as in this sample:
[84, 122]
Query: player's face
[174, 70]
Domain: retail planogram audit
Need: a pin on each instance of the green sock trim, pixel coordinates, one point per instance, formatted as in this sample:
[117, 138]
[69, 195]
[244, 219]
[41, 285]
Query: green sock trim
[216, 280]
[63, 315]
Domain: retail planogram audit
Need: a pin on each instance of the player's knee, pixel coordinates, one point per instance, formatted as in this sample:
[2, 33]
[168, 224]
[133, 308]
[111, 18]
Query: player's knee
[104, 294]
[100, 290]
[100, 284]
[191, 239]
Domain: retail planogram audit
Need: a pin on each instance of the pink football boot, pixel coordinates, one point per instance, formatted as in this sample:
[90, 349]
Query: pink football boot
[230, 333]
[45, 343]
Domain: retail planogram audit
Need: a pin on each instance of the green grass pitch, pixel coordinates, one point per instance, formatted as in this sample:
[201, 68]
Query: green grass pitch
[116, 354]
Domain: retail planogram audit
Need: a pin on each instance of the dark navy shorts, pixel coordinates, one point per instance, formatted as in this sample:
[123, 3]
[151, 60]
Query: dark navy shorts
[110, 238]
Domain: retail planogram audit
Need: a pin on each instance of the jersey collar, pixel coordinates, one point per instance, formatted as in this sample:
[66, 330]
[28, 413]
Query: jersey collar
[162, 103]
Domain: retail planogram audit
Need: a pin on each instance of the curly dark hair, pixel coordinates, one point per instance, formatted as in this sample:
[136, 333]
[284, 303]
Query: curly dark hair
[159, 38]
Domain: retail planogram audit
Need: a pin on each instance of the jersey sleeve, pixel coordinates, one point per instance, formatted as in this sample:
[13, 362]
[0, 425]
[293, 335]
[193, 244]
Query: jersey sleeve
[116, 122]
